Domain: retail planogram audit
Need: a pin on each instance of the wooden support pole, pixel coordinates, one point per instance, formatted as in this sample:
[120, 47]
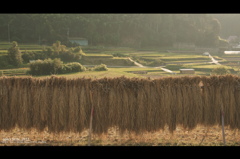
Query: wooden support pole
[223, 132]
[91, 119]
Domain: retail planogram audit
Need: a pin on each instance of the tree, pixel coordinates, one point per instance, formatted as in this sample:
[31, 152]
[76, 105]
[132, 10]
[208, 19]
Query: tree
[14, 55]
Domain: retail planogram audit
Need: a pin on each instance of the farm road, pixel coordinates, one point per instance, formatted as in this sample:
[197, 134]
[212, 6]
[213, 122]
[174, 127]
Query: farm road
[136, 63]
[161, 67]
[213, 60]
[169, 71]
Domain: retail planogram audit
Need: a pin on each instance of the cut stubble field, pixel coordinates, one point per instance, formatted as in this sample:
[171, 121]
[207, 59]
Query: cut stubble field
[200, 136]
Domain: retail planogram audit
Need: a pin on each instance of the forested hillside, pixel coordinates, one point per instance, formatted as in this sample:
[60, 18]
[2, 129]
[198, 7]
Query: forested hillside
[229, 24]
[134, 30]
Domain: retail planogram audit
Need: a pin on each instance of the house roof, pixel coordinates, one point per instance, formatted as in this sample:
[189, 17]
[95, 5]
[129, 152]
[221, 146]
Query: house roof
[232, 38]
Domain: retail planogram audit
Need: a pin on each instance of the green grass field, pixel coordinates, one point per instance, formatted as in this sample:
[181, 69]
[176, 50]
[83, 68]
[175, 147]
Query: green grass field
[97, 54]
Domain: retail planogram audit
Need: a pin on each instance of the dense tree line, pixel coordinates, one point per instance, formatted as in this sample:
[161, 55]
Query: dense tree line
[135, 30]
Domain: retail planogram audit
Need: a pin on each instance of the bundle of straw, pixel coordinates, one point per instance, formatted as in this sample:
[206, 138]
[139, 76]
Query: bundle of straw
[161, 115]
[53, 125]
[141, 108]
[171, 111]
[24, 108]
[36, 96]
[100, 104]
[228, 99]
[237, 102]
[6, 122]
[13, 102]
[73, 106]
[151, 105]
[112, 103]
[45, 103]
[193, 91]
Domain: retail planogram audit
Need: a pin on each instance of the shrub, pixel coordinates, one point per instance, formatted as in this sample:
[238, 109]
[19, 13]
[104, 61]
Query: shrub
[64, 69]
[69, 56]
[220, 71]
[27, 56]
[45, 67]
[55, 66]
[72, 67]
[77, 49]
[101, 67]
[76, 67]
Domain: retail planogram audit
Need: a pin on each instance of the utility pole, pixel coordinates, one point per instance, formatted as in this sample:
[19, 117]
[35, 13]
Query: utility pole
[68, 33]
[67, 40]
[8, 33]
[39, 40]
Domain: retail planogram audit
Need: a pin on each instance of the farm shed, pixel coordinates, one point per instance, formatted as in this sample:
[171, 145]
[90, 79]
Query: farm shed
[187, 71]
[79, 41]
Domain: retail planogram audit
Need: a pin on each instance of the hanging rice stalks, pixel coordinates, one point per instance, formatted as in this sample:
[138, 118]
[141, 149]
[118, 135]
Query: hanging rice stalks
[133, 105]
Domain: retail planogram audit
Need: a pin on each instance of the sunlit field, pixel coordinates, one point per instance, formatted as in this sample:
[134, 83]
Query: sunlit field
[201, 136]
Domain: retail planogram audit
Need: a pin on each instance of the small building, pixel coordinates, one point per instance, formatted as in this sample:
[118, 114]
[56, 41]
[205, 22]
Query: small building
[187, 71]
[31, 61]
[206, 54]
[79, 41]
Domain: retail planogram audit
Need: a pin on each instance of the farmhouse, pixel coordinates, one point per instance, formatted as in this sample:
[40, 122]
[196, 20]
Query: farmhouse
[79, 41]
[187, 71]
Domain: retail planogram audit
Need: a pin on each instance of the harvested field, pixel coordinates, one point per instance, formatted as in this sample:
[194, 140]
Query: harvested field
[200, 136]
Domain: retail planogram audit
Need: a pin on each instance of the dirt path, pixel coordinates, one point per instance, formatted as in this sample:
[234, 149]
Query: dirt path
[166, 70]
[169, 71]
[213, 60]
[136, 63]
[161, 67]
